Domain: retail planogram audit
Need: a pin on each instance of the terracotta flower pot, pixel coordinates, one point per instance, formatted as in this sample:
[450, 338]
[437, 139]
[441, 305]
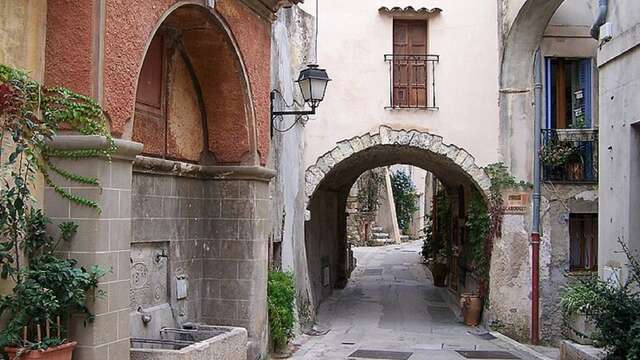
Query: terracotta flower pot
[439, 272]
[471, 304]
[62, 352]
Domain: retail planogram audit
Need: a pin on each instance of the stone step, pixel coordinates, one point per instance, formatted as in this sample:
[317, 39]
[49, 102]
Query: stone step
[381, 242]
[377, 229]
[404, 238]
[380, 235]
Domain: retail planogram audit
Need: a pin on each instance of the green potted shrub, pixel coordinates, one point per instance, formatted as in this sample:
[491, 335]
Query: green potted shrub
[48, 290]
[280, 300]
[575, 301]
[612, 307]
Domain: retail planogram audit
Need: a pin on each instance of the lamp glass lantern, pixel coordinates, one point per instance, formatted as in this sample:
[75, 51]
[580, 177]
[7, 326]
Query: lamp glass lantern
[313, 84]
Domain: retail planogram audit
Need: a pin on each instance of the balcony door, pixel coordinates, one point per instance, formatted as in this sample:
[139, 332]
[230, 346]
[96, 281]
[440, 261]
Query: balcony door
[410, 63]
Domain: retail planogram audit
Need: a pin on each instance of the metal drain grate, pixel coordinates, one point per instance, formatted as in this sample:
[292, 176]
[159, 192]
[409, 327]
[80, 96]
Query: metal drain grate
[487, 354]
[373, 271]
[483, 335]
[381, 354]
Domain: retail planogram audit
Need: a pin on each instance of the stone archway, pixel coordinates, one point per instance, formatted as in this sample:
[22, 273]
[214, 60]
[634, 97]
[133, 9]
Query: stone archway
[327, 184]
[409, 139]
[516, 83]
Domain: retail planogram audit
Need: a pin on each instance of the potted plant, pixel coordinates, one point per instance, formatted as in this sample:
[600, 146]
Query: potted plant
[281, 293]
[440, 270]
[557, 153]
[576, 299]
[48, 290]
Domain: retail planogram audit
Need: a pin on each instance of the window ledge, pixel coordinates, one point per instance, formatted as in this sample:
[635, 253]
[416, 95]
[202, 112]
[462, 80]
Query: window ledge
[397, 108]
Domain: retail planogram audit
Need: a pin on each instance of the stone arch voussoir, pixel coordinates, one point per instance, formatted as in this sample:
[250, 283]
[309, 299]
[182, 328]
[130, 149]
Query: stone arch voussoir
[386, 135]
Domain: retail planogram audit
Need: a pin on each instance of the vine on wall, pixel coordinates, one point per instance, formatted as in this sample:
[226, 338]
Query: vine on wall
[485, 219]
[31, 114]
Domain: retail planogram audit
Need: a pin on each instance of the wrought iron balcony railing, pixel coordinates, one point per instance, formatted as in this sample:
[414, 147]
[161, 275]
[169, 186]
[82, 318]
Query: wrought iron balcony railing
[570, 155]
[412, 81]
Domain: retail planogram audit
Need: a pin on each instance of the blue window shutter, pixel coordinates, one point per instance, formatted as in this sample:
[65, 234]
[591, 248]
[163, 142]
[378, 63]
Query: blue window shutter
[585, 83]
[547, 90]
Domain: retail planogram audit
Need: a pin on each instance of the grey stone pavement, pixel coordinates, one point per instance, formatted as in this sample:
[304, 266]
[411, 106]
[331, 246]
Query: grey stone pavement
[390, 304]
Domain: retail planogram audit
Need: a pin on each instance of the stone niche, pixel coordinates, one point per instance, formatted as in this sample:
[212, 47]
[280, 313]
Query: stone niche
[199, 246]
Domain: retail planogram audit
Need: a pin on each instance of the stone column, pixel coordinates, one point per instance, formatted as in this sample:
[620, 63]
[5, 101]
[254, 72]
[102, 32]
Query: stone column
[103, 238]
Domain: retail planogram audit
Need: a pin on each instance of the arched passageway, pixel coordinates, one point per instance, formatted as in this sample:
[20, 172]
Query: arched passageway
[329, 181]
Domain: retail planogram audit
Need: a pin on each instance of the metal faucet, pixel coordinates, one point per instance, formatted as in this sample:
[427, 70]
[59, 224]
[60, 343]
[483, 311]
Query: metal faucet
[146, 317]
[161, 254]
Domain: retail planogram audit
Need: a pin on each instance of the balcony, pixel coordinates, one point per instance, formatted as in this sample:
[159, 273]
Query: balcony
[570, 155]
[412, 81]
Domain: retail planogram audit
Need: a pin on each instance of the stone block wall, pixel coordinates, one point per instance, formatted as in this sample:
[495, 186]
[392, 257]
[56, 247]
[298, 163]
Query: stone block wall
[216, 234]
[103, 239]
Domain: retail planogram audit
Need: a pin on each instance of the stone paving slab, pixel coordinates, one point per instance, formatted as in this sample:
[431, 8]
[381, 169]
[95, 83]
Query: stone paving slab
[398, 311]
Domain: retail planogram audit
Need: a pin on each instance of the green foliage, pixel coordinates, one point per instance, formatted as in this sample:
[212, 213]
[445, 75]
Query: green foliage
[437, 241]
[46, 287]
[613, 308]
[558, 153]
[369, 190]
[31, 114]
[478, 226]
[405, 198]
[281, 293]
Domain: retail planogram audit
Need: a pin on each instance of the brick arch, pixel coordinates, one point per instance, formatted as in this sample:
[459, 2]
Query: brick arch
[421, 143]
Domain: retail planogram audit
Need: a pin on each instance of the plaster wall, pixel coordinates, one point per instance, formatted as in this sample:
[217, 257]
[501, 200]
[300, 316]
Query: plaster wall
[323, 240]
[291, 45]
[619, 70]
[353, 39]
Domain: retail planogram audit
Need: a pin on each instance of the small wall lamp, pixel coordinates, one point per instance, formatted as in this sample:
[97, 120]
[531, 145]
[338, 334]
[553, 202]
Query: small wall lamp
[313, 84]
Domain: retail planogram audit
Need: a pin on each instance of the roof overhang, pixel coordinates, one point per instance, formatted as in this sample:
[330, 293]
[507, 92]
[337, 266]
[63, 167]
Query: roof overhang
[268, 8]
[409, 11]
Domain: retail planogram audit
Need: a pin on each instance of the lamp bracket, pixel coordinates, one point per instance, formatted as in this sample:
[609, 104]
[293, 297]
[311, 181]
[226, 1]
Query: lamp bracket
[300, 114]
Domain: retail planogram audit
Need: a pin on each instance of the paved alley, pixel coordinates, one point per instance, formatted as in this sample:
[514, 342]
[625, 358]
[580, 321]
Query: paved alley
[390, 305]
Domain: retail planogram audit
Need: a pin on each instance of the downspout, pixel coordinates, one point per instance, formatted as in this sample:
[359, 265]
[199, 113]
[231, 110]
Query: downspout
[535, 226]
[603, 9]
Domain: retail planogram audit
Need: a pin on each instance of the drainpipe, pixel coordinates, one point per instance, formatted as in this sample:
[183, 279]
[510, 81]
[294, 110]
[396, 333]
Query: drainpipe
[603, 6]
[535, 226]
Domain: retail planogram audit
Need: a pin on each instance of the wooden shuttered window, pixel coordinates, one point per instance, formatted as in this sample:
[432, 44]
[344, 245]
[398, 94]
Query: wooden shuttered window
[409, 63]
[150, 125]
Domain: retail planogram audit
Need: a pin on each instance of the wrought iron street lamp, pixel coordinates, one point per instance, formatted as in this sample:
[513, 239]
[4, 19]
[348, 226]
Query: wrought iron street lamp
[313, 84]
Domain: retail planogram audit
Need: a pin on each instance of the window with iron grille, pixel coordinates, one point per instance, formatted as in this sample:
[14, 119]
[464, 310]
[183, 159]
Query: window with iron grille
[411, 68]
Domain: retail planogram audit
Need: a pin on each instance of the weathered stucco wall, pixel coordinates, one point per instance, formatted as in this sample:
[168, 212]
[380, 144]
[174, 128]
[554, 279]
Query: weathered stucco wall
[353, 39]
[619, 68]
[292, 42]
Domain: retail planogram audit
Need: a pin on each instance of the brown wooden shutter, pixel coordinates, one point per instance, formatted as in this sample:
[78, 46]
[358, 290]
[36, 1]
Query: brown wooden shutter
[150, 126]
[409, 64]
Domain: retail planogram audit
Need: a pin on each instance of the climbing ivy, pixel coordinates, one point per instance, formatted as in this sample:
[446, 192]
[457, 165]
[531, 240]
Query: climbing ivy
[437, 240]
[484, 219]
[478, 223]
[31, 114]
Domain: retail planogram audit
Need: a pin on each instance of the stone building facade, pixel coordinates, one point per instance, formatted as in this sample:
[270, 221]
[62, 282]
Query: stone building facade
[477, 98]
